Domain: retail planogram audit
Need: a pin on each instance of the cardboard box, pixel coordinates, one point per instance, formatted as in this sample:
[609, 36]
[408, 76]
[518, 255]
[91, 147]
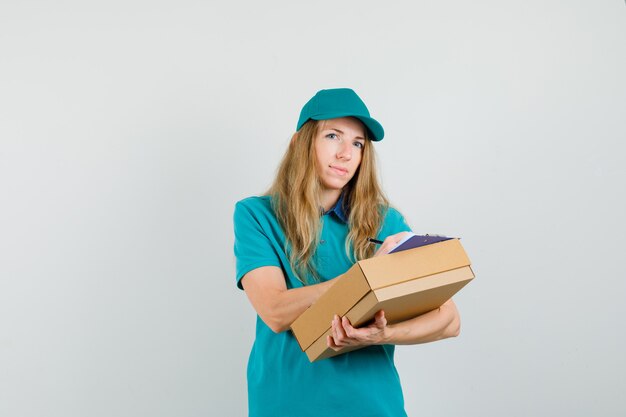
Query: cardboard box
[404, 284]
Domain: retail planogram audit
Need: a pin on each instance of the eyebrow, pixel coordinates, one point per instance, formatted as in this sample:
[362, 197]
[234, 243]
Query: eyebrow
[340, 131]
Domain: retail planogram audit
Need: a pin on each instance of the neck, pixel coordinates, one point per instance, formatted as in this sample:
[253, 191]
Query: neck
[329, 198]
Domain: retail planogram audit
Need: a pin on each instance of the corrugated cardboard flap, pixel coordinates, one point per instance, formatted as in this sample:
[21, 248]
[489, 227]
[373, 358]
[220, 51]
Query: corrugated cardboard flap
[347, 290]
[414, 263]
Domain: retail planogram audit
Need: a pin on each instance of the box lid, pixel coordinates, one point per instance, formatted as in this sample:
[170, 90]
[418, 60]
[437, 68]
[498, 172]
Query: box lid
[414, 263]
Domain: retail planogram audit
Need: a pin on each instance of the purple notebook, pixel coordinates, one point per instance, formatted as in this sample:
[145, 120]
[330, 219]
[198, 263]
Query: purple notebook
[415, 241]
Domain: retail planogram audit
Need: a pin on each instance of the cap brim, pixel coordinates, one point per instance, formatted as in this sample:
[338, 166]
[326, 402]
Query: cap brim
[376, 131]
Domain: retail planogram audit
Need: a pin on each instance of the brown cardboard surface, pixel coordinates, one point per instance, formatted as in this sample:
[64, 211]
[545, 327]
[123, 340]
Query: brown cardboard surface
[374, 273]
[400, 302]
[413, 263]
[344, 293]
[404, 284]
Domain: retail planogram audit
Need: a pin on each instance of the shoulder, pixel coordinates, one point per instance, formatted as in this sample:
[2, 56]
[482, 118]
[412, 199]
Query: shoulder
[393, 221]
[254, 203]
[256, 207]
[391, 215]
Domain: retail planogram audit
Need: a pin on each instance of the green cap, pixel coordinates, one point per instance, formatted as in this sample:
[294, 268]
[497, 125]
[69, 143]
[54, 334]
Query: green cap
[340, 102]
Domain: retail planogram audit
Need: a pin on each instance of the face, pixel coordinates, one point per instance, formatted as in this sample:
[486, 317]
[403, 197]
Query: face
[339, 149]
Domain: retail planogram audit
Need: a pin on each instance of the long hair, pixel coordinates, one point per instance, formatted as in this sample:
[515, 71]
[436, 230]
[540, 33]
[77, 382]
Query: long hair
[296, 201]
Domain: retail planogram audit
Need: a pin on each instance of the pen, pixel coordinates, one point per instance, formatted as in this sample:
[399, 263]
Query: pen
[378, 242]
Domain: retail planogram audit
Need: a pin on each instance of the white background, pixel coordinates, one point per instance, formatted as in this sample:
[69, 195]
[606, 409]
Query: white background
[128, 130]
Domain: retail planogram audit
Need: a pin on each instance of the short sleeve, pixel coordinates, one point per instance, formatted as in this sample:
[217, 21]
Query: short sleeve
[253, 248]
[393, 223]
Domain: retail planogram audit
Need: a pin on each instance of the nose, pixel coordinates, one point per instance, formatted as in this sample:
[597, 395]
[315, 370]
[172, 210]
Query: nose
[344, 151]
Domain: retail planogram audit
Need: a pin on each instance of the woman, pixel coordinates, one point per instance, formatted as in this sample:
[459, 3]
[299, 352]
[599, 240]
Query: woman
[310, 227]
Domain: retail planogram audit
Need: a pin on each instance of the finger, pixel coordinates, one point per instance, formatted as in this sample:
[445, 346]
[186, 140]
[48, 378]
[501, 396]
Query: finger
[342, 339]
[380, 320]
[403, 235]
[334, 333]
[330, 342]
[383, 250]
[386, 246]
[338, 332]
[398, 237]
[347, 327]
[360, 335]
[389, 243]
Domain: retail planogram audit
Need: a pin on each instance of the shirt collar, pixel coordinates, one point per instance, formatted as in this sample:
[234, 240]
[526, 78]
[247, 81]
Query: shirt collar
[339, 209]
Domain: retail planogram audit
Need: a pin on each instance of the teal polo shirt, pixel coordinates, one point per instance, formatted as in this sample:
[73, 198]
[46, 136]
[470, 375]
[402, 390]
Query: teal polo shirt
[281, 380]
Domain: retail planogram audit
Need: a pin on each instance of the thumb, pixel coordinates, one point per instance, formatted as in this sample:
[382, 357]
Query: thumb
[379, 319]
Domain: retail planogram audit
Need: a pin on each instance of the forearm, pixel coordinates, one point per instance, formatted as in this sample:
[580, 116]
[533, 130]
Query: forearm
[435, 325]
[278, 306]
[288, 305]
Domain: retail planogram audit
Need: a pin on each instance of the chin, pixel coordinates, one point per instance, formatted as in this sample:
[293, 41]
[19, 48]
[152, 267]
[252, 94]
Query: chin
[334, 185]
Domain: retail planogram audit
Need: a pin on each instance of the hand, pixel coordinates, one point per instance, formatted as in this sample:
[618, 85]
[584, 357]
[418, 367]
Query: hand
[389, 242]
[343, 334]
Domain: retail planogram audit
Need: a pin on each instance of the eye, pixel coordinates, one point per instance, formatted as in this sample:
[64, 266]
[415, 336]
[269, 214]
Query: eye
[332, 136]
[358, 144]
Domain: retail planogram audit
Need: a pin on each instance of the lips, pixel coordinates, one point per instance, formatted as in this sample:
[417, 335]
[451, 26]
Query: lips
[338, 170]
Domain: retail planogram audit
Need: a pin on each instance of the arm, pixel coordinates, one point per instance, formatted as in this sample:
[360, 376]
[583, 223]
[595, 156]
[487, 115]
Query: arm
[277, 306]
[437, 324]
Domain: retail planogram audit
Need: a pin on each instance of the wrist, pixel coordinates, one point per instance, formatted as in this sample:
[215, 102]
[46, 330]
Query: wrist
[386, 336]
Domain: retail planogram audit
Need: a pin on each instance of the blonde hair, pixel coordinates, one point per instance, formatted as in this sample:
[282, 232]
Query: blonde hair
[296, 201]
